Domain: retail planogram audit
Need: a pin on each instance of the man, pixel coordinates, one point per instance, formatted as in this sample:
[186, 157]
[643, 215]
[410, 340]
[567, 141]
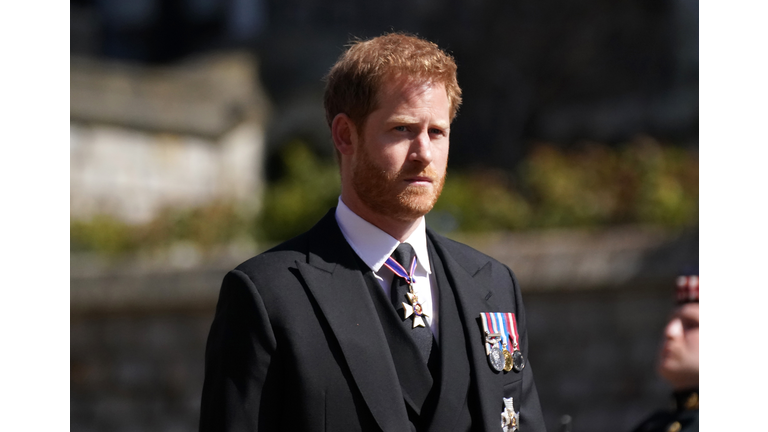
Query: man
[679, 363]
[371, 321]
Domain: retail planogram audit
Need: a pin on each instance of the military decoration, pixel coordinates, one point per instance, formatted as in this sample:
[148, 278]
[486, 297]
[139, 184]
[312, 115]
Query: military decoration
[501, 341]
[495, 355]
[508, 360]
[414, 308]
[518, 362]
[510, 419]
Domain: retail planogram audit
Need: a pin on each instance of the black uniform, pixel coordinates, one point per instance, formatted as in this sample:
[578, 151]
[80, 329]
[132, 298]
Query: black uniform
[683, 418]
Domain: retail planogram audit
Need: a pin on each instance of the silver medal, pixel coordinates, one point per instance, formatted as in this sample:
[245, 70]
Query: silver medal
[496, 358]
[518, 363]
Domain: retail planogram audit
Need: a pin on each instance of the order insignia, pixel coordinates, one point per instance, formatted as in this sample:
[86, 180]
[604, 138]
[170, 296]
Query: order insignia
[414, 309]
[510, 419]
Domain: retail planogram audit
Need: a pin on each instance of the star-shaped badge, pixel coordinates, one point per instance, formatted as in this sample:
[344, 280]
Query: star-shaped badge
[414, 309]
[510, 420]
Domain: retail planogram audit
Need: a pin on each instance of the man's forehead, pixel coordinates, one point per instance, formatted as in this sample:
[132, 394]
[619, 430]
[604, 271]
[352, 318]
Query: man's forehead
[400, 83]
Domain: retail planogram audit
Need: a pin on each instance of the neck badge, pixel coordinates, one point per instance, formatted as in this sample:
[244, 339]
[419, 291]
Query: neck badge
[414, 309]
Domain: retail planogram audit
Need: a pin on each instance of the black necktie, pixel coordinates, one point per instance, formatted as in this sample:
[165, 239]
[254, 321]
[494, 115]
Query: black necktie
[421, 335]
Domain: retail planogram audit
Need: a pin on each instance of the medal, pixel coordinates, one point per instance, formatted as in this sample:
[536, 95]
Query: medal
[494, 338]
[510, 420]
[507, 360]
[414, 309]
[518, 363]
[496, 358]
[502, 323]
[501, 341]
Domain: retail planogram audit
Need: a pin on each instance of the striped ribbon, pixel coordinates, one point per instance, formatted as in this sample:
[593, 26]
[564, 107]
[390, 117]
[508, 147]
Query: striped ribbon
[512, 327]
[504, 324]
[398, 269]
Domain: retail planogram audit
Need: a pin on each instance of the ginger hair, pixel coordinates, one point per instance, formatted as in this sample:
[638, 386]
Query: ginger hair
[353, 83]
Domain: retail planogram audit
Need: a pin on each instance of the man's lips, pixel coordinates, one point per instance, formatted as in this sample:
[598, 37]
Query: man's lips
[667, 351]
[419, 179]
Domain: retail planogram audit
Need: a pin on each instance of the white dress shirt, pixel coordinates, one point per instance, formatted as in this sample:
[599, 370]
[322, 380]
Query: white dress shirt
[374, 246]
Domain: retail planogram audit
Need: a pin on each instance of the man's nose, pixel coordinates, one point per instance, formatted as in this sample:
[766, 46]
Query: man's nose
[674, 329]
[421, 148]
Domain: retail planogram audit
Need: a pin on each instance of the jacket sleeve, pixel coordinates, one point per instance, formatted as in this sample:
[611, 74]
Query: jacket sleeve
[241, 368]
[531, 417]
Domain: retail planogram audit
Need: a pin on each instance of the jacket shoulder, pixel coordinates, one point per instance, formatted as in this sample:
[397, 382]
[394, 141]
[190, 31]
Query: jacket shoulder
[298, 248]
[280, 256]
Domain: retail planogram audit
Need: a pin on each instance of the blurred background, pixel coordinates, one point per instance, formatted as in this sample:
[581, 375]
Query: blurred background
[198, 139]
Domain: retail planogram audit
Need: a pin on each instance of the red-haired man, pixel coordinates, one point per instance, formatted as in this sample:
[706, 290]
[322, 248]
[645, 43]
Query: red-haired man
[370, 321]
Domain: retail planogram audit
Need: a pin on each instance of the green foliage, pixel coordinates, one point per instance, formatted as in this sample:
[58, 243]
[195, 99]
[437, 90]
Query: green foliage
[301, 197]
[206, 226]
[639, 182]
[479, 202]
[102, 234]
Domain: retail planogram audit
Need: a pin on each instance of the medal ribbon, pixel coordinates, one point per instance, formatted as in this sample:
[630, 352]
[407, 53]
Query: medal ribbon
[488, 327]
[502, 325]
[512, 330]
[398, 269]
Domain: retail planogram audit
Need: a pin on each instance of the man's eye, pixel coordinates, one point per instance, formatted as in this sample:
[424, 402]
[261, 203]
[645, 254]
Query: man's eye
[690, 324]
[401, 128]
[434, 131]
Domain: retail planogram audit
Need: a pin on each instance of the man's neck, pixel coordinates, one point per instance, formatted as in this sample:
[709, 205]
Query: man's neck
[399, 229]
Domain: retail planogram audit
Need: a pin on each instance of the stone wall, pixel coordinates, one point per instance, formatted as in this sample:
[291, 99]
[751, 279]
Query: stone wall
[143, 138]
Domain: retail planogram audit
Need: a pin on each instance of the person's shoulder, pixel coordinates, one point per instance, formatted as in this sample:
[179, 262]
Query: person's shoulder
[282, 255]
[285, 254]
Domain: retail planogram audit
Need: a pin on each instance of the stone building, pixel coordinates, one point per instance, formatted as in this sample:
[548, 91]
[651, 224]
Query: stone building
[143, 138]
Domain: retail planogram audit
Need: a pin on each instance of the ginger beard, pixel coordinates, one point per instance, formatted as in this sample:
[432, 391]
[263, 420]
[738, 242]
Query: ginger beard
[383, 191]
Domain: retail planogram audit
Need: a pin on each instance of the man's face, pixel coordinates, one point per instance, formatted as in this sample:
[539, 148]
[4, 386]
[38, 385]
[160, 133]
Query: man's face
[679, 360]
[399, 165]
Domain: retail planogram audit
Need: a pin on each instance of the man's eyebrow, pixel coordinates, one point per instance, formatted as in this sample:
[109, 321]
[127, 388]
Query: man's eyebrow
[402, 119]
[413, 120]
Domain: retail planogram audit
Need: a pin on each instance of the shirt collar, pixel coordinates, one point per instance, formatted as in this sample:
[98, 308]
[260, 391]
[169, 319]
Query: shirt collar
[373, 245]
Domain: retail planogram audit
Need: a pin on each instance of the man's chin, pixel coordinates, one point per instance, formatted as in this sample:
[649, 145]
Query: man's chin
[414, 206]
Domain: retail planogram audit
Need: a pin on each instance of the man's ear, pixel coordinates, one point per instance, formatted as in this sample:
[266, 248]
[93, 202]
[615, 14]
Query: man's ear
[344, 134]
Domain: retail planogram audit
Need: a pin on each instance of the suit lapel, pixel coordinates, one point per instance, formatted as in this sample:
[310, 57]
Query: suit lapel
[336, 283]
[471, 282]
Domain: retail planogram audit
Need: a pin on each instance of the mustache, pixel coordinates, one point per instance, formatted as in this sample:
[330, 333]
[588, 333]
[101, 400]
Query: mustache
[428, 172]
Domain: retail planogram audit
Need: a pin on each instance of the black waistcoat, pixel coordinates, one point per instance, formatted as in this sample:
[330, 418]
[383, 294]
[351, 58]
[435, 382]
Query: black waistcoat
[435, 395]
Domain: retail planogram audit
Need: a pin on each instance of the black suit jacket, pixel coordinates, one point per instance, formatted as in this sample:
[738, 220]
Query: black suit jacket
[296, 343]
